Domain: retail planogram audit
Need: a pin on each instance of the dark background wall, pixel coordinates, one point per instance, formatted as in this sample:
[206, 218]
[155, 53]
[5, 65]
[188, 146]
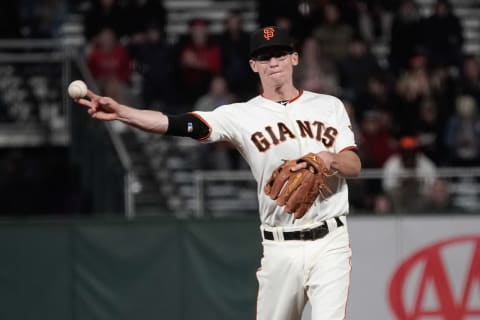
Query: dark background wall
[117, 269]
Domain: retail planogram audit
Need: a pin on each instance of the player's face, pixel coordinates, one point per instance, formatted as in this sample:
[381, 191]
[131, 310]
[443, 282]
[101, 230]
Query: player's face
[274, 66]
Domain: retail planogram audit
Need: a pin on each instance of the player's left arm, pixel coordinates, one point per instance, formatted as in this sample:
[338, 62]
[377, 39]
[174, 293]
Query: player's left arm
[347, 162]
[343, 157]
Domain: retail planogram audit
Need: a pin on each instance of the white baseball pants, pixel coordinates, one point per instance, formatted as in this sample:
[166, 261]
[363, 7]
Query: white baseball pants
[296, 271]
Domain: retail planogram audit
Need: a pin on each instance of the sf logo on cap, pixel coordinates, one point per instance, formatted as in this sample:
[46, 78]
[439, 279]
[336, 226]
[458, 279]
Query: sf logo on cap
[268, 33]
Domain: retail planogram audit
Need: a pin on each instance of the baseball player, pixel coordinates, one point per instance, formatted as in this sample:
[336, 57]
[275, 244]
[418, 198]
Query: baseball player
[305, 257]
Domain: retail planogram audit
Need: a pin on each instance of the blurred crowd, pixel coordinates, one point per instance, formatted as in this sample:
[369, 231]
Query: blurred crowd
[426, 87]
[416, 109]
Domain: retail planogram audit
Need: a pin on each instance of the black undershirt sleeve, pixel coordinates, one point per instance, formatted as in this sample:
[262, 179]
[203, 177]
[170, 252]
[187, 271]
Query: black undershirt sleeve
[187, 125]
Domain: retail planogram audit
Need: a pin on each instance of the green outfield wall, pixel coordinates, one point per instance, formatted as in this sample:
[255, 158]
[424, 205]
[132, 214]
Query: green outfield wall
[117, 269]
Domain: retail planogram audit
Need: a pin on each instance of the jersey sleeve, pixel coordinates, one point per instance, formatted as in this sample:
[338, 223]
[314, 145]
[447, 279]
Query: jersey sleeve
[219, 123]
[345, 137]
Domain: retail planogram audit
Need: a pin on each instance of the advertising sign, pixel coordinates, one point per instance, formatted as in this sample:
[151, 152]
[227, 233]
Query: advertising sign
[414, 268]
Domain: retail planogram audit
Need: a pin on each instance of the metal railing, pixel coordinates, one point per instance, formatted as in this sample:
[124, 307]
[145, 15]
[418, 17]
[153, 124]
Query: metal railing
[117, 142]
[201, 178]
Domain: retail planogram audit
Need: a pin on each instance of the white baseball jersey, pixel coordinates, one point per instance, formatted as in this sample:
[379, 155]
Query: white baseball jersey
[265, 132]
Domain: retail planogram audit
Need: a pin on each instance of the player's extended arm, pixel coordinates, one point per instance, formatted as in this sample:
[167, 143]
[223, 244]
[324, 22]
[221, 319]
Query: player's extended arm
[107, 109]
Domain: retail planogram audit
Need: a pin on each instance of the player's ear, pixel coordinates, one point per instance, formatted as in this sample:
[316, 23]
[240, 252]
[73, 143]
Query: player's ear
[253, 65]
[294, 57]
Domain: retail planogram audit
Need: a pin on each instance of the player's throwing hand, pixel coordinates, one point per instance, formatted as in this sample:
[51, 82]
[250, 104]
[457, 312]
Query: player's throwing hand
[101, 108]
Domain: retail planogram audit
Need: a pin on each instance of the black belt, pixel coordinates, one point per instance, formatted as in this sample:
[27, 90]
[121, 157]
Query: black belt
[307, 234]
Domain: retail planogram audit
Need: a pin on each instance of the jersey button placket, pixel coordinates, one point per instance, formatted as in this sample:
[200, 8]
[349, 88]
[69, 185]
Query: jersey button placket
[291, 115]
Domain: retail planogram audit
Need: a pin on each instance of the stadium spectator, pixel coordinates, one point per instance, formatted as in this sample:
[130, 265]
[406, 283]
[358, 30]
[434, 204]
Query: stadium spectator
[373, 20]
[430, 132]
[408, 176]
[103, 14]
[442, 91]
[333, 35]
[382, 204]
[405, 36]
[443, 35]
[412, 87]
[110, 64]
[313, 72]
[469, 81]
[141, 15]
[312, 16]
[220, 155]
[376, 144]
[217, 95]
[367, 18]
[41, 18]
[439, 199]
[200, 61]
[377, 97]
[356, 68]
[463, 132]
[234, 44]
[150, 54]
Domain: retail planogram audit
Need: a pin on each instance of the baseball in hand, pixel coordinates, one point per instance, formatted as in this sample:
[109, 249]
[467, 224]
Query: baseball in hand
[77, 89]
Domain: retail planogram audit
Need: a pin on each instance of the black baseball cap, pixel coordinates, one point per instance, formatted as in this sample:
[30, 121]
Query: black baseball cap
[269, 37]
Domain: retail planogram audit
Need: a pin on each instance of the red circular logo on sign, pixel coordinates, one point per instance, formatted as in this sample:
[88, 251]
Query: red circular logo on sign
[423, 286]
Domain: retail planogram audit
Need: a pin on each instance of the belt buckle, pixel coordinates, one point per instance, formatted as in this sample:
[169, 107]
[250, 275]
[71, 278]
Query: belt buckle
[302, 234]
[306, 234]
[320, 231]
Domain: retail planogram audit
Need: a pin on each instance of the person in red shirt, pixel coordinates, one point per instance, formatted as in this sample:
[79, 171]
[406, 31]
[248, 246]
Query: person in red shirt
[200, 61]
[109, 63]
[376, 142]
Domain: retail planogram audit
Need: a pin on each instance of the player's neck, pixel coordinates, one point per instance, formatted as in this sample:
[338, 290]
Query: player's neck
[286, 93]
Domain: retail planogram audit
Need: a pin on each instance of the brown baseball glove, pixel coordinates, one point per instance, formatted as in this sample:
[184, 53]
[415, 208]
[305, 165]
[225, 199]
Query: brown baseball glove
[297, 190]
